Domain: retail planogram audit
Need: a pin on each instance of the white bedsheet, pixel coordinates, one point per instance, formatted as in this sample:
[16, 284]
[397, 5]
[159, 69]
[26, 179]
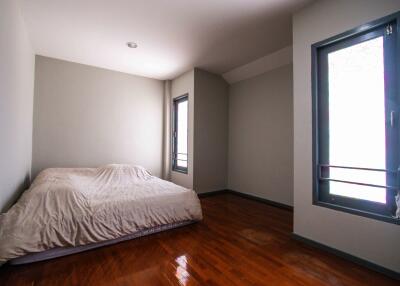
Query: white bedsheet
[77, 206]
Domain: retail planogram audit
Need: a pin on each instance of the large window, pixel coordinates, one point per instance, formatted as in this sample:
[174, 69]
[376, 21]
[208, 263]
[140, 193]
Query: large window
[356, 120]
[180, 134]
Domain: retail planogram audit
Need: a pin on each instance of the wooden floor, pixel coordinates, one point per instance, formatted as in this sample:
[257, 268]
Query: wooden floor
[239, 242]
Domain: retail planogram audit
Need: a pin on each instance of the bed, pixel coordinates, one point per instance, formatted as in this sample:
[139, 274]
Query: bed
[69, 210]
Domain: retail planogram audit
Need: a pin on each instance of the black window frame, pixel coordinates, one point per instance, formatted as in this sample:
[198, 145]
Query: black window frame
[320, 113]
[175, 131]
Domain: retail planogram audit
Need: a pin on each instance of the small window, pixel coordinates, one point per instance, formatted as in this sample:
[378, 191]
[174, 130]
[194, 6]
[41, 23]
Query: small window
[180, 134]
[356, 120]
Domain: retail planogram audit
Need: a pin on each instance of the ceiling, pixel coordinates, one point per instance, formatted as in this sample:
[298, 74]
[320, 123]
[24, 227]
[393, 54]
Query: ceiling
[173, 36]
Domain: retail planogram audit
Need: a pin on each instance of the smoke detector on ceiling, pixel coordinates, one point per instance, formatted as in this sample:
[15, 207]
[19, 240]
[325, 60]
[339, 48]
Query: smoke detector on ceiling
[132, 45]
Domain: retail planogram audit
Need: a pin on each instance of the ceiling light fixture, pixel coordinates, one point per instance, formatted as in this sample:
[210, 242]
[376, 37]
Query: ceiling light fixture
[132, 45]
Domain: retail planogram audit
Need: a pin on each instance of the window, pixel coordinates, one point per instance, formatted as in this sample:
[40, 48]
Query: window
[356, 120]
[180, 134]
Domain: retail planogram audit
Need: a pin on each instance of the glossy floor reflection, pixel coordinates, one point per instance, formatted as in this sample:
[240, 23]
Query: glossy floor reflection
[240, 242]
[181, 272]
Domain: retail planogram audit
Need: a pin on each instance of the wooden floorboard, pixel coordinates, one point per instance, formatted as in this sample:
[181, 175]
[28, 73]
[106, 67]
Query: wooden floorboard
[239, 242]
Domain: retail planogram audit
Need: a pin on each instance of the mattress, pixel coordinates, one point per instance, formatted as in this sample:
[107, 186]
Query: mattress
[68, 208]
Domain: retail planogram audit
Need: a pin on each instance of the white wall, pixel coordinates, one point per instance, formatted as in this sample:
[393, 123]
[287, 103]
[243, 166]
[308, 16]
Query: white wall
[366, 238]
[86, 116]
[16, 103]
[181, 85]
[210, 132]
[260, 136]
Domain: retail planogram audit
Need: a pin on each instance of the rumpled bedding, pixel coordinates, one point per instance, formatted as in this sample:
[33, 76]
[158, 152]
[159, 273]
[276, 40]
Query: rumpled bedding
[67, 207]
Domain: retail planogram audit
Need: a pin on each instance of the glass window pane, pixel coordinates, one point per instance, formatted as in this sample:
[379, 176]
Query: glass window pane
[182, 160]
[359, 176]
[182, 164]
[357, 191]
[182, 157]
[357, 118]
[182, 134]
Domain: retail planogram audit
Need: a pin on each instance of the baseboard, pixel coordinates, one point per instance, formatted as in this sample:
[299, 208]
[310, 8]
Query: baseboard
[247, 196]
[365, 263]
[262, 200]
[212, 193]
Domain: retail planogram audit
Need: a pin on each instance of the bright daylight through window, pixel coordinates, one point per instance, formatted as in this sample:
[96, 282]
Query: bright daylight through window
[180, 134]
[357, 119]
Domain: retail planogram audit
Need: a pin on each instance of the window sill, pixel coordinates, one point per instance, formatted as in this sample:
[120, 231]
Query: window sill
[180, 171]
[381, 217]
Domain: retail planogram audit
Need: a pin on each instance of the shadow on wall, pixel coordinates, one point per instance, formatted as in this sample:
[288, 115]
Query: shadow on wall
[23, 186]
